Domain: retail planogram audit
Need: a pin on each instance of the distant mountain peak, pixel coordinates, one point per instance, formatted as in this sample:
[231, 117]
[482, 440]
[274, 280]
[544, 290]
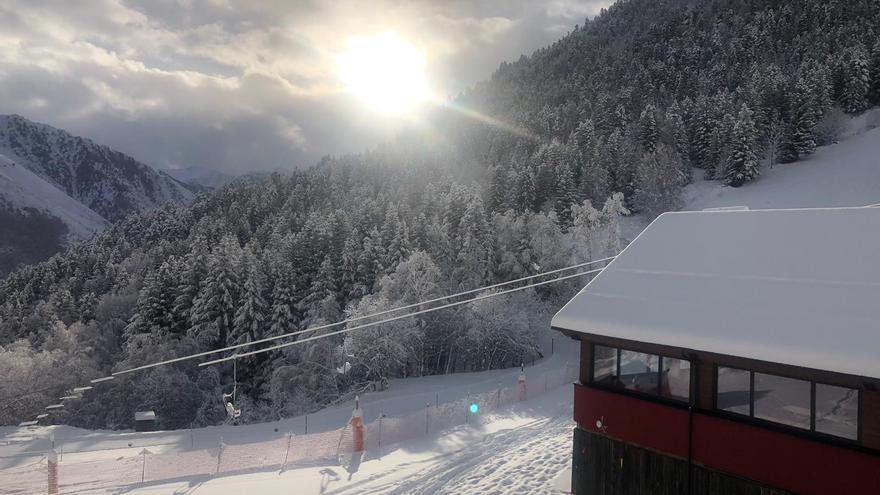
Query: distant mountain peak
[109, 182]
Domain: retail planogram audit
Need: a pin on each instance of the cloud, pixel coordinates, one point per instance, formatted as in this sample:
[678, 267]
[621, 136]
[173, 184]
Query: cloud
[240, 86]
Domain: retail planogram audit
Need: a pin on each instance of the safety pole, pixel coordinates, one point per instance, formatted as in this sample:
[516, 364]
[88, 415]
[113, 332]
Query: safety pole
[357, 425]
[52, 459]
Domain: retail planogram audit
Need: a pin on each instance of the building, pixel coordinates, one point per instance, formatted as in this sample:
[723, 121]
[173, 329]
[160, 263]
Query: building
[732, 352]
[145, 421]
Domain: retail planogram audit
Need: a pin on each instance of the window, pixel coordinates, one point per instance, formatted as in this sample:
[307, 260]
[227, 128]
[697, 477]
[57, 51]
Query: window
[648, 374]
[817, 407]
[734, 390]
[675, 380]
[837, 411]
[605, 365]
[782, 400]
[638, 371]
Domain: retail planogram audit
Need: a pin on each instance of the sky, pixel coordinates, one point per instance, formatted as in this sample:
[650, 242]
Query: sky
[245, 86]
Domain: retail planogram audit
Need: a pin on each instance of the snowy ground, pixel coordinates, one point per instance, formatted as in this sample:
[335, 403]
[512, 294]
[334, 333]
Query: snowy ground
[516, 449]
[520, 450]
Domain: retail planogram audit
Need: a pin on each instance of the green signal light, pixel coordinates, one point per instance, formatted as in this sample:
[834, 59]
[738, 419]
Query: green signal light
[474, 408]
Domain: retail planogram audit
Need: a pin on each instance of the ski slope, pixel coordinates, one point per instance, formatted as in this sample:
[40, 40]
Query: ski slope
[843, 174]
[521, 450]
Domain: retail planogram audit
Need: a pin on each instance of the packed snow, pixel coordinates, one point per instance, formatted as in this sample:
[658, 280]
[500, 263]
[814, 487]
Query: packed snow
[762, 284]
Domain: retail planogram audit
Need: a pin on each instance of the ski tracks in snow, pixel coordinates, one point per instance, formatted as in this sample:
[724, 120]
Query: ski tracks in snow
[519, 460]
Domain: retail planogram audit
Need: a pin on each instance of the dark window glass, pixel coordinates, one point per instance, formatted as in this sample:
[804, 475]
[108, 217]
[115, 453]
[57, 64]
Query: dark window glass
[675, 380]
[605, 365]
[733, 390]
[782, 400]
[837, 411]
[638, 371]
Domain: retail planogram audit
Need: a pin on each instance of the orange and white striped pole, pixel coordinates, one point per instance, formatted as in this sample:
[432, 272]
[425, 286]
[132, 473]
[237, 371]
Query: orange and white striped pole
[52, 459]
[357, 425]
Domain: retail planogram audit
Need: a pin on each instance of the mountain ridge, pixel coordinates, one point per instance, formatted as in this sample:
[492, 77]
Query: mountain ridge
[107, 181]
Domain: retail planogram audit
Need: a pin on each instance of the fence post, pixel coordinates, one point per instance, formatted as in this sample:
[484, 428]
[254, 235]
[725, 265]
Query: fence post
[307, 424]
[467, 408]
[287, 452]
[219, 456]
[379, 442]
[427, 409]
[52, 460]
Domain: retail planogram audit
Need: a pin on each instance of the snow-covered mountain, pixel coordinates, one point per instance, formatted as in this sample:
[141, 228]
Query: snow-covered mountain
[109, 182]
[36, 218]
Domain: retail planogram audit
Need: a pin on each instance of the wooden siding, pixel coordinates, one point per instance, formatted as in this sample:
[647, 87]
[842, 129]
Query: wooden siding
[604, 466]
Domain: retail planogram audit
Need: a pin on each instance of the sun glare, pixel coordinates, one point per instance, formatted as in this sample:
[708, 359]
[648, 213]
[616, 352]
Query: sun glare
[386, 72]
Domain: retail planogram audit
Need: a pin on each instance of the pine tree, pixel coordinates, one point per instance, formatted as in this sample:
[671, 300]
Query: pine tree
[742, 165]
[250, 316]
[566, 195]
[499, 194]
[283, 318]
[213, 312]
[874, 91]
[648, 132]
[856, 78]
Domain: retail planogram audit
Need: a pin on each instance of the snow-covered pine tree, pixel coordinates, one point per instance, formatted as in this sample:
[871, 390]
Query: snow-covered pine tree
[874, 91]
[213, 312]
[648, 132]
[566, 195]
[856, 79]
[250, 316]
[742, 165]
[283, 318]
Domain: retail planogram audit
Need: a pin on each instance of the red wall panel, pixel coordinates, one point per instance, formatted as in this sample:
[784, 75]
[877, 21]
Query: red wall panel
[766, 456]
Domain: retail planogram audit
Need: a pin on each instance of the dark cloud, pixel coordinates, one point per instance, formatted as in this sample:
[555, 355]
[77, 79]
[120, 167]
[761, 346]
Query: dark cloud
[240, 86]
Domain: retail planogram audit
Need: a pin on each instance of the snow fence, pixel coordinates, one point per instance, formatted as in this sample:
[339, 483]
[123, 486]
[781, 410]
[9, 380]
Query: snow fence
[288, 451]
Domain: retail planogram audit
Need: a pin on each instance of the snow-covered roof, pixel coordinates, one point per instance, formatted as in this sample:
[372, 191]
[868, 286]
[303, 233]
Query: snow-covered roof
[144, 416]
[798, 287]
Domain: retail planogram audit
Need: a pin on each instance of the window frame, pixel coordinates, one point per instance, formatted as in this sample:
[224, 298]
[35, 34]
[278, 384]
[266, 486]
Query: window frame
[658, 396]
[811, 431]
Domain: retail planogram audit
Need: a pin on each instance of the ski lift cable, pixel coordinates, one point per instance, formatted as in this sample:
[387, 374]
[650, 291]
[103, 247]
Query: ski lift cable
[354, 319]
[395, 318]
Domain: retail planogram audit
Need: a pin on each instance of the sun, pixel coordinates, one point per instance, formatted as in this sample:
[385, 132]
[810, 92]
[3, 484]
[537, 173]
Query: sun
[385, 72]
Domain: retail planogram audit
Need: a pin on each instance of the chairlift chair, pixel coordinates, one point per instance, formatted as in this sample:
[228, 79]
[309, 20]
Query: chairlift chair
[232, 414]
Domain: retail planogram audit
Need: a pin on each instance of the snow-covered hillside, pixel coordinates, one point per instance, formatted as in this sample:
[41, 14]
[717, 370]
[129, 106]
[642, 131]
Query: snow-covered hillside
[36, 218]
[844, 174]
[109, 182]
[20, 188]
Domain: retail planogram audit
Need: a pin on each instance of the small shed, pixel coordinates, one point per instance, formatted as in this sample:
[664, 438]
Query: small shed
[145, 421]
